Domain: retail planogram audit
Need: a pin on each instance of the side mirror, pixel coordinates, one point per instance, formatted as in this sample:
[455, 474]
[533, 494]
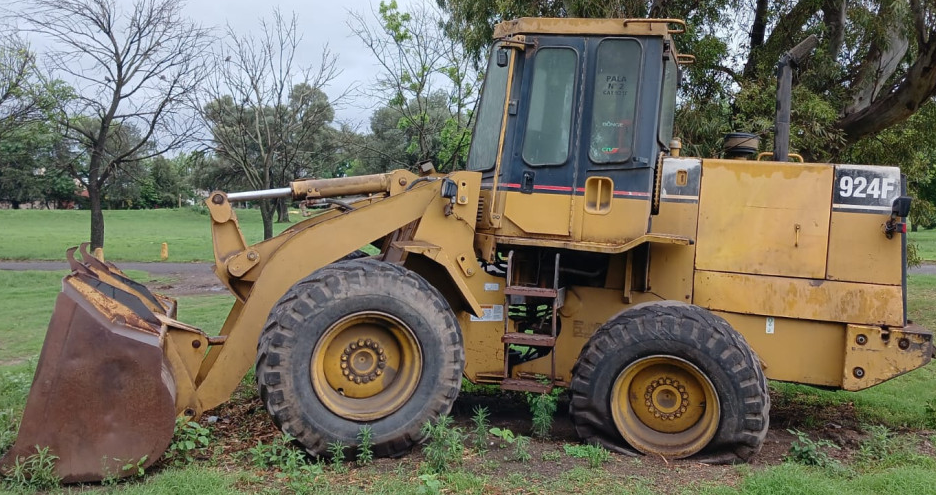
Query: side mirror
[899, 209]
[901, 206]
[502, 57]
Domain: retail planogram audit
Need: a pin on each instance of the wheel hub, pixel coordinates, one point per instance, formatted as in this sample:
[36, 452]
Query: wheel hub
[665, 404]
[366, 366]
[363, 361]
[666, 399]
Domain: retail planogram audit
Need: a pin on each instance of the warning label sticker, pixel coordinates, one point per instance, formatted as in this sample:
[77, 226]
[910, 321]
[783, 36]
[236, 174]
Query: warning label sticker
[491, 312]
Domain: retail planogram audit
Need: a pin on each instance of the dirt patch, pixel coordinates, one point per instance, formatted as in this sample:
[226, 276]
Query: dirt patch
[239, 424]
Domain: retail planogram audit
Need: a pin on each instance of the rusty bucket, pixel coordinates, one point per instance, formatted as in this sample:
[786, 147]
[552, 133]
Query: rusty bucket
[103, 396]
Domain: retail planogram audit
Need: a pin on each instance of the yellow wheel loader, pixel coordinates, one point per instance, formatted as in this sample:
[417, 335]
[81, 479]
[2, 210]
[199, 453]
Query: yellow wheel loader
[578, 249]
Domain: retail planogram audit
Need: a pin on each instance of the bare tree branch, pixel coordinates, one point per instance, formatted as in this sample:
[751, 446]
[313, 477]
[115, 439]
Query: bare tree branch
[132, 67]
[262, 106]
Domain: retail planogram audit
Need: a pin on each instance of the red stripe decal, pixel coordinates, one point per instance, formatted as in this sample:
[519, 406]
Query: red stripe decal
[553, 188]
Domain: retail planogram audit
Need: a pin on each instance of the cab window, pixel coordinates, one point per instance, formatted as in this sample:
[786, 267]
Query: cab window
[549, 121]
[614, 108]
[487, 129]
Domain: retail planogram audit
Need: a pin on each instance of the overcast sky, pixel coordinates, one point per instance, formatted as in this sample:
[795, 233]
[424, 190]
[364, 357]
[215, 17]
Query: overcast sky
[320, 22]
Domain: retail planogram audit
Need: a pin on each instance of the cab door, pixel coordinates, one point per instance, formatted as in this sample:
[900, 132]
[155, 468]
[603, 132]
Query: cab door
[539, 169]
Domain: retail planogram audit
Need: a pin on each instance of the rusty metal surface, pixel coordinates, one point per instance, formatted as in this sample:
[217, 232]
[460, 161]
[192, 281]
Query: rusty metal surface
[102, 396]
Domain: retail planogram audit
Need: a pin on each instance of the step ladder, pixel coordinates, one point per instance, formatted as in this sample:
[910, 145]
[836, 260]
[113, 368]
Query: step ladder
[555, 296]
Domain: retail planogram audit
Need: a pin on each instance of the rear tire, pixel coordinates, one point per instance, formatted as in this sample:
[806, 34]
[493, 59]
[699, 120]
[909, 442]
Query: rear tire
[671, 379]
[356, 343]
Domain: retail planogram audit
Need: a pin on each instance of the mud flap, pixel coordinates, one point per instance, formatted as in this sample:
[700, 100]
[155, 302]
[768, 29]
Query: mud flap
[103, 395]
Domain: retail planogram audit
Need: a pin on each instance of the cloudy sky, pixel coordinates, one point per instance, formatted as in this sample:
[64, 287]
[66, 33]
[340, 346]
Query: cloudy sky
[320, 22]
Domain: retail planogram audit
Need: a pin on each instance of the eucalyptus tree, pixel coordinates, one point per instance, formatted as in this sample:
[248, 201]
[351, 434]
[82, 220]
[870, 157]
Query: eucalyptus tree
[874, 68]
[425, 81]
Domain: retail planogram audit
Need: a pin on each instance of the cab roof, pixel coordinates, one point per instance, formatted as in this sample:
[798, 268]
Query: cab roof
[576, 26]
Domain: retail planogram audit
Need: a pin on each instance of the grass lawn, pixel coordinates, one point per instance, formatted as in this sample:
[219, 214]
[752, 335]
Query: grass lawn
[925, 242]
[129, 235]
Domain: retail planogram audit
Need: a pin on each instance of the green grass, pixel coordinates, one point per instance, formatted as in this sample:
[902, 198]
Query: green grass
[917, 478]
[900, 402]
[926, 243]
[27, 299]
[193, 480]
[129, 235]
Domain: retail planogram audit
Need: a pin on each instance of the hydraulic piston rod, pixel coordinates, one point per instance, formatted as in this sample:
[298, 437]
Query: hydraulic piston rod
[280, 192]
[319, 188]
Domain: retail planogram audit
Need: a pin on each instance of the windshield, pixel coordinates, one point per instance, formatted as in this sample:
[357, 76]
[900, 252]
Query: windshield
[487, 129]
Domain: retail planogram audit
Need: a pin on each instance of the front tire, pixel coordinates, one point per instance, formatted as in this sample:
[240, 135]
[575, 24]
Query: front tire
[671, 379]
[356, 343]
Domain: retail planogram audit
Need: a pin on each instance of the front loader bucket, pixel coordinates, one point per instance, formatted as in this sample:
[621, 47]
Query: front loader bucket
[103, 396]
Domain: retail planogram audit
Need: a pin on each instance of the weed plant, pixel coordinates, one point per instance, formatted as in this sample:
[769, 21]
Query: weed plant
[336, 450]
[596, 455]
[291, 463]
[190, 440]
[35, 472]
[521, 449]
[543, 408]
[481, 426]
[365, 450]
[444, 445]
[810, 452]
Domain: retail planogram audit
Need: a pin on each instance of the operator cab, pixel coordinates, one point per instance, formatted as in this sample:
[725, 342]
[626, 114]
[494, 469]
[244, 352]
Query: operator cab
[569, 111]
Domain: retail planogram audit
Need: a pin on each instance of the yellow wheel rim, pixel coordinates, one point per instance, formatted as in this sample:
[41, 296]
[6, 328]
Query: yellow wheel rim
[665, 405]
[366, 366]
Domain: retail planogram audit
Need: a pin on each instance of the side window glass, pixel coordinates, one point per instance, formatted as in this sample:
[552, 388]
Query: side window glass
[615, 102]
[668, 105]
[487, 129]
[549, 121]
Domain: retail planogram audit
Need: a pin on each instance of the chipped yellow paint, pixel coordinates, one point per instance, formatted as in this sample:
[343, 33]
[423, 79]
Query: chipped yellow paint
[821, 300]
[610, 27]
[765, 219]
[873, 355]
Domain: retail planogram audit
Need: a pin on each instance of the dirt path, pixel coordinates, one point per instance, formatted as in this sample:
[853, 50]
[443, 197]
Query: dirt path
[173, 279]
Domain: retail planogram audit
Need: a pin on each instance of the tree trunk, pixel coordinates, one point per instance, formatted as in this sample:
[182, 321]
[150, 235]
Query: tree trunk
[97, 216]
[282, 210]
[266, 213]
[917, 86]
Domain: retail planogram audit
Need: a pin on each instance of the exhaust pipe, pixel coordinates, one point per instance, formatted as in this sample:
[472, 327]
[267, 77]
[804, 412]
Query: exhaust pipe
[785, 66]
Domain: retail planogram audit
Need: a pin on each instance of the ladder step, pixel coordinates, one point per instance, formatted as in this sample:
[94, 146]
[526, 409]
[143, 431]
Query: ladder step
[532, 339]
[519, 290]
[526, 386]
